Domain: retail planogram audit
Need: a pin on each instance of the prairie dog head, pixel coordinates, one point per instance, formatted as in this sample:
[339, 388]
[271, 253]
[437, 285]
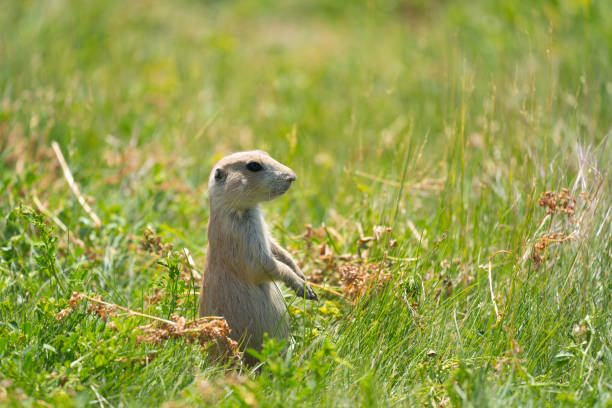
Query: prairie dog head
[241, 180]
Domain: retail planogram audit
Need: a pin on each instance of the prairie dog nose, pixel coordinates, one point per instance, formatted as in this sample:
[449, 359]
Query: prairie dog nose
[289, 175]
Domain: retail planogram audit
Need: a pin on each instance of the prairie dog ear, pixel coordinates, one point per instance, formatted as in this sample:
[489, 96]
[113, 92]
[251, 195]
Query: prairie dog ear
[219, 174]
[262, 152]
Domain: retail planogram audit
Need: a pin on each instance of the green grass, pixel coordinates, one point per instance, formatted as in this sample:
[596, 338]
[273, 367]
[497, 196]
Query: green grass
[497, 101]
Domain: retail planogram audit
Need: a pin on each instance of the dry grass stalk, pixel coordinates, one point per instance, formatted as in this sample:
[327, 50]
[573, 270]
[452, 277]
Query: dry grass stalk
[551, 238]
[73, 185]
[498, 314]
[191, 267]
[542, 243]
[202, 330]
[109, 309]
[100, 308]
[327, 289]
[417, 235]
[113, 306]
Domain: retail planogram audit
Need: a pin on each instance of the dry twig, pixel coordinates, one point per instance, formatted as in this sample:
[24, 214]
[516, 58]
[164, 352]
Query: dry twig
[202, 330]
[325, 288]
[498, 316]
[192, 266]
[135, 313]
[73, 185]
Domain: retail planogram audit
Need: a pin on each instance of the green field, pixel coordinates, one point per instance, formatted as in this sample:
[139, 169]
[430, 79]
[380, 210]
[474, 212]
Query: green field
[443, 120]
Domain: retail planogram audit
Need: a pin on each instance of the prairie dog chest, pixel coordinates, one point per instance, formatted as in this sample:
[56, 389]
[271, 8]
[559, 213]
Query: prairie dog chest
[252, 231]
[246, 241]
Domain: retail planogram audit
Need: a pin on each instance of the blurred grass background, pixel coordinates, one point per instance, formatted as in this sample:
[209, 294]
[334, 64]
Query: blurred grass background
[475, 108]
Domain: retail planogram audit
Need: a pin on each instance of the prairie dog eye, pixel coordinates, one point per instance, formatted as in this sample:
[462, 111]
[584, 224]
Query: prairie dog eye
[254, 166]
[219, 174]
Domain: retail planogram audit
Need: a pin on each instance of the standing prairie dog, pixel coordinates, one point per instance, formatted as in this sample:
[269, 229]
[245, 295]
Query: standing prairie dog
[243, 261]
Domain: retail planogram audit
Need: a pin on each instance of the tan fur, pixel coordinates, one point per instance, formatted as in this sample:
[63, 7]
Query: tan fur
[243, 261]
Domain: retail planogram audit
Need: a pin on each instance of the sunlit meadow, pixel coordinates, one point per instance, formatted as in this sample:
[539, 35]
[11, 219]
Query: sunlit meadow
[452, 208]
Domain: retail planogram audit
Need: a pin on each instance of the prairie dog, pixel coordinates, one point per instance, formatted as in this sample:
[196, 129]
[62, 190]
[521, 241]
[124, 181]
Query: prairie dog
[243, 261]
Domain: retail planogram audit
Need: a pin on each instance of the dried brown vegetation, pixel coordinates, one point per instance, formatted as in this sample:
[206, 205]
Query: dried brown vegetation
[359, 279]
[151, 242]
[561, 202]
[355, 275]
[210, 332]
[203, 331]
[542, 243]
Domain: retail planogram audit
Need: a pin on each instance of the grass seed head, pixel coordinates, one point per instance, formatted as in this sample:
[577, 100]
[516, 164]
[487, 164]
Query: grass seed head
[561, 202]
